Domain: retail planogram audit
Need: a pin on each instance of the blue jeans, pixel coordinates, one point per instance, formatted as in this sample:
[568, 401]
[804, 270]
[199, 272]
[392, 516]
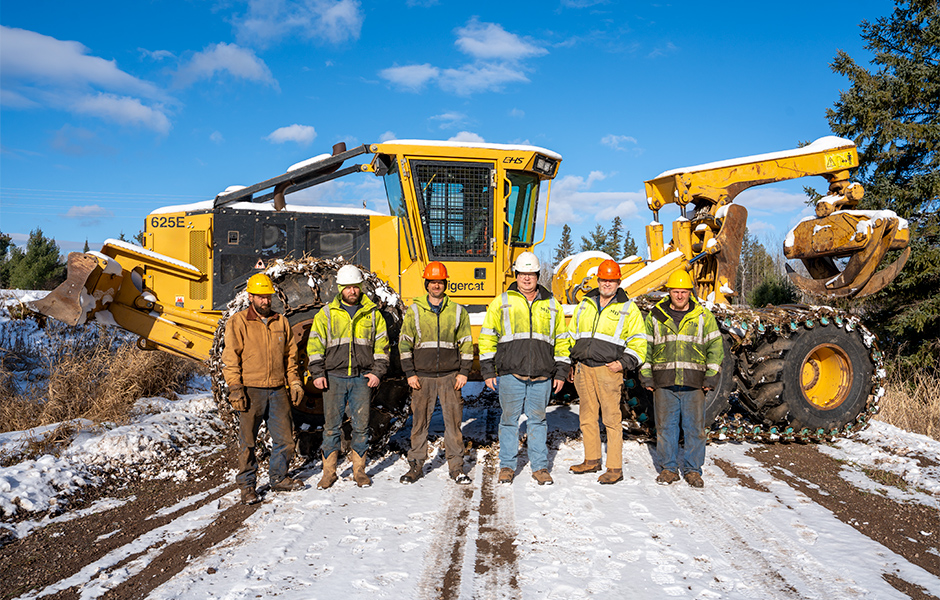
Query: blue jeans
[671, 406]
[516, 396]
[346, 395]
[273, 406]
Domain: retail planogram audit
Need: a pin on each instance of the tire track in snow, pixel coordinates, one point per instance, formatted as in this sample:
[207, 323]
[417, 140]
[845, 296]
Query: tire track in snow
[762, 555]
[445, 555]
[497, 561]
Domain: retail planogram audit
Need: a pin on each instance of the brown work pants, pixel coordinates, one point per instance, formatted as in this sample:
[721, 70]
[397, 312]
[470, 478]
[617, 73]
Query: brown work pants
[599, 388]
[422, 407]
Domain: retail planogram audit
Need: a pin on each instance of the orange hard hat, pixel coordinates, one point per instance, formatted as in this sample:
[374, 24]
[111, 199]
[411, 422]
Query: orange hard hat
[608, 270]
[435, 270]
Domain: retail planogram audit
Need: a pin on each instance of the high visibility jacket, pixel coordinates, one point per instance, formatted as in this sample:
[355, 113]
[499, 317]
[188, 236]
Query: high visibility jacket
[348, 347]
[259, 354]
[687, 355]
[522, 338]
[602, 335]
[435, 343]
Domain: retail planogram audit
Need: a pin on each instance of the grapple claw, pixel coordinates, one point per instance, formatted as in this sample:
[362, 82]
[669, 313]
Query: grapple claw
[864, 237]
[70, 301]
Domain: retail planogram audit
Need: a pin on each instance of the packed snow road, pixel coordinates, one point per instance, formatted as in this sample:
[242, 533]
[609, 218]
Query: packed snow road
[857, 519]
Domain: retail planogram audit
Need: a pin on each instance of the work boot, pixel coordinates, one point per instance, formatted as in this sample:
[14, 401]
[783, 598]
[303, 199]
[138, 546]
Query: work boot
[694, 479]
[506, 475]
[588, 466]
[414, 473]
[329, 471]
[459, 476]
[543, 477]
[250, 496]
[359, 470]
[611, 476]
[288, 485]
[666, 477]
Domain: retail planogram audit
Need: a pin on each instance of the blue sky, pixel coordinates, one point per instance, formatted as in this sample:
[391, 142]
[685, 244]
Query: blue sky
[109, 110]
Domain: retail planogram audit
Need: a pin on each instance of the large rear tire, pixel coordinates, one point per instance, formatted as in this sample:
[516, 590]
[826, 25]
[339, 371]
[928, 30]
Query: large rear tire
[817, 378]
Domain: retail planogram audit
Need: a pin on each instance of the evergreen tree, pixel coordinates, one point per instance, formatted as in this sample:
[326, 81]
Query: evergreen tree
[85, 247]
[773, 290]
[629, 246]
[6, 243]
[565, 247]
[596, 241]
[39, 267]
[614, 236]
[892, 112]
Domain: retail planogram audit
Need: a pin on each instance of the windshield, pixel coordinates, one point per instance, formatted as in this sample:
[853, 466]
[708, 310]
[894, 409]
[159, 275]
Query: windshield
[396, 205]
[521, 205]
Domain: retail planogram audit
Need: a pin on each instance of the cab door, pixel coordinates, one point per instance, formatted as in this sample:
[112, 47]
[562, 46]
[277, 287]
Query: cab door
[455, 202]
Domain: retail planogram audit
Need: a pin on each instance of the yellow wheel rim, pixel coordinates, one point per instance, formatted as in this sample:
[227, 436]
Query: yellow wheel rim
[826, 375]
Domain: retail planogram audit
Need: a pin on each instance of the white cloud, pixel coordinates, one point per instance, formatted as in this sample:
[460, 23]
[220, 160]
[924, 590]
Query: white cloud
[301, 134]
[466, 136]
[156, 55]
[517, 113]
[388, 135]
[216, 137]
[329, 21]
[489, 41]
[664, 50]
[123, 110]
[482, 77]
[38, 71]
[498, 55]
[88, 215]
[41, 60]
[225, 58]
[617, 141]
[411, 77]
[768, 202]
[573, 202]
[449, 120]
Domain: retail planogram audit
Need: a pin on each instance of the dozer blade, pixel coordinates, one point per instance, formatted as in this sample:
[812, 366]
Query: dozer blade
[65, 302]
[858, 279]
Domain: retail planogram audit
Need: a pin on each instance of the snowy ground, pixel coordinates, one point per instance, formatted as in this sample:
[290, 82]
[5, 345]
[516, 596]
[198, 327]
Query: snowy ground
[773, 538]
[575, 539]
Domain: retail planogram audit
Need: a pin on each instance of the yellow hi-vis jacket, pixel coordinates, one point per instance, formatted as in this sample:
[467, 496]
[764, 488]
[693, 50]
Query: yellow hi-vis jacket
[348, 347]
[519, 338]
[688, 355]
[435, 343]
[599, 336]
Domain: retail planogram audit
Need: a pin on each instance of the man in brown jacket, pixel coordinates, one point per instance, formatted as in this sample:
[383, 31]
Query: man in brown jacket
[259, 362]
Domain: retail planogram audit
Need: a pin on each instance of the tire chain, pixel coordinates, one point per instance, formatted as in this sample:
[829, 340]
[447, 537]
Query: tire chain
[747, 327]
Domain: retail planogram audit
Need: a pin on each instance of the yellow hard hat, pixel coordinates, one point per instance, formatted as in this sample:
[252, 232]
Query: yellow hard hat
[260, 284]
[679, 280]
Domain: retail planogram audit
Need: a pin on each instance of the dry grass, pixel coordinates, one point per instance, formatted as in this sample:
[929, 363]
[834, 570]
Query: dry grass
[97, 377]
[912, 400]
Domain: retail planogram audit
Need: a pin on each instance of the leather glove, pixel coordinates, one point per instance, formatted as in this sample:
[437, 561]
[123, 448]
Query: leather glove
[296, 393]
[238, 399]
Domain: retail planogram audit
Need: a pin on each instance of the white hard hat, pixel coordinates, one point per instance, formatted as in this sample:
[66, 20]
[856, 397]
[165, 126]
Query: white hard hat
[349, 275]
[527, 262]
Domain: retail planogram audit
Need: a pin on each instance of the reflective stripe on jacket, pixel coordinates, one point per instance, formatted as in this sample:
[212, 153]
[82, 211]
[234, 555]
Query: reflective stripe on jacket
[345, 346]
[688, 355]
[436, 343]
[602, 335]
[258, 354]
[529, 340]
